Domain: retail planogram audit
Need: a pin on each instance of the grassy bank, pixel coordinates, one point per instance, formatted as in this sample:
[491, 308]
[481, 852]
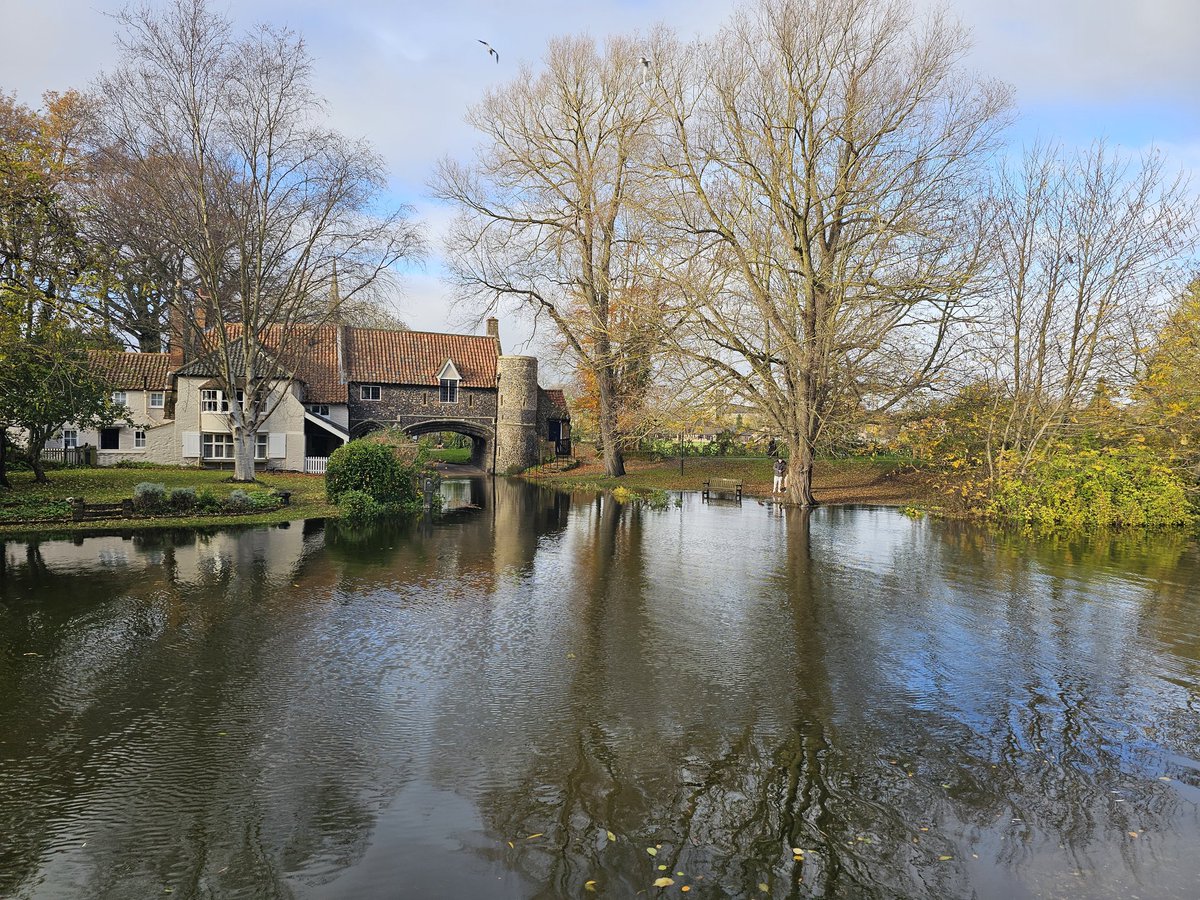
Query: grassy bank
[28, 500]
[888, 482]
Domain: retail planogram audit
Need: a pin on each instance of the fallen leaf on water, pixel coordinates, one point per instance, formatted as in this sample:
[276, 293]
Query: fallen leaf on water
[532, 836]
[797, 851]
[222, 733]
[679, 874]
[762, 886]
[589, 885]
[1132, 833]
[612, 837]
[1163, 778]
[652, 851]
[570, 656]
[944, 858]
[685, 888]
[664, 882]
[945, 784]
[662, 868]
[31, 654]
[511, 846]
[924, 829]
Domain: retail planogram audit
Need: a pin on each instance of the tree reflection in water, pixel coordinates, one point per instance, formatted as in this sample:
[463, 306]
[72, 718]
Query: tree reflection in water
[926, 709]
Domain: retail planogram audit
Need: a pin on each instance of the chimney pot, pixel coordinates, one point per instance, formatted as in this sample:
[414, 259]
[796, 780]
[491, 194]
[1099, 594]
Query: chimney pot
[493, 328]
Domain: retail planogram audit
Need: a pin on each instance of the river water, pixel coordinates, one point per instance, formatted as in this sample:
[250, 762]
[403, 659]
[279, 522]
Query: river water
[469, 707]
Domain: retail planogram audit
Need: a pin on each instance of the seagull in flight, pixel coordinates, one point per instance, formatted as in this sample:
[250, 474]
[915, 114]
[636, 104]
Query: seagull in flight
[645, 61]
[491, 50]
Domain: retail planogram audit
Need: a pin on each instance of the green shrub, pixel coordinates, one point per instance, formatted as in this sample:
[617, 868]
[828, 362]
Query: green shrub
[1083, 488]
[372, 468]
[237, 501]
[207, 501]
[149, 497]
[183, 499]
[355, 506]
[264, 500]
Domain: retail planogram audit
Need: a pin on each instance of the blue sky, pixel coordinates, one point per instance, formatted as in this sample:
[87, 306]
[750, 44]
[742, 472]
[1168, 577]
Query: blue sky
[402, 74]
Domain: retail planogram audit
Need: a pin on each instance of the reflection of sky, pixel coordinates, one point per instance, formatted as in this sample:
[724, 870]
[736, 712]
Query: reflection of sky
[716, 678]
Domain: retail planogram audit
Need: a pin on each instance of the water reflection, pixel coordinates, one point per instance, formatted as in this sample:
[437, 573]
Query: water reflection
[926, 709]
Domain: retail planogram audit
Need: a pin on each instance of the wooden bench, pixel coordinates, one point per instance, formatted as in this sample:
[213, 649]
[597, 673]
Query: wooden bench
[722, 486]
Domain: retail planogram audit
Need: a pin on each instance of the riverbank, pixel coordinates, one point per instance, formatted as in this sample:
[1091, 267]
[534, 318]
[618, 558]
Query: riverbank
[28, 500]
[878, 481]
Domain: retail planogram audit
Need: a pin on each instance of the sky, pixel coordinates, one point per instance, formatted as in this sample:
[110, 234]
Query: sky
[402, 74]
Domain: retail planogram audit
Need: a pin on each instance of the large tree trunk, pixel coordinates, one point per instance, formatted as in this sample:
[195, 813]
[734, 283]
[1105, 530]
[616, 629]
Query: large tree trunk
[243, 454]
[610, 438]
[35, 462]
[800, 471]
[4, 458]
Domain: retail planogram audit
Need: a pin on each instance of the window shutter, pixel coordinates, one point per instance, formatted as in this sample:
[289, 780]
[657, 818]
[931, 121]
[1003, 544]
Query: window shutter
[191, 444]
[276, 445]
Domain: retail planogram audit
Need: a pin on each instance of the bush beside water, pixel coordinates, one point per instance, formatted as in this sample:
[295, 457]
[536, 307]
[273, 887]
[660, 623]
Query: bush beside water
[367, 478]
[1087, 488]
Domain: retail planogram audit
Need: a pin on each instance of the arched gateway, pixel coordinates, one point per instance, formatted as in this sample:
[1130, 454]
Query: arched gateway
[481, 432]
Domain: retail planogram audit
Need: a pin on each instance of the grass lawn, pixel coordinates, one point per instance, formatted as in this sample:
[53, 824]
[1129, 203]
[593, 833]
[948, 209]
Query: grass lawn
[883, 481]
[28, 500]
[457, 455]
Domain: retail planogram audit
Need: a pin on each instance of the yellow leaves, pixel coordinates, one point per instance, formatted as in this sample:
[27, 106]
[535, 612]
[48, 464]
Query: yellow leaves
[652, 851]
[762, 886]
[1132, 834]
[612, 838]
[511, 846]
[686, 888]
[663, 882]
[590, 885]
[1163, 778]
[662, 868]
[538, 835]
[944, 858]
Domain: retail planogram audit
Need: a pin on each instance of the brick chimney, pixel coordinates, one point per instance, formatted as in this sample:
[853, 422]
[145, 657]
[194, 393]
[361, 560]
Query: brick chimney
[493, 329]
[175, 338]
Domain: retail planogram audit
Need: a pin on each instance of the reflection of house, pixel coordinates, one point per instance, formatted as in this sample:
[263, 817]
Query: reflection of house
[344, 382]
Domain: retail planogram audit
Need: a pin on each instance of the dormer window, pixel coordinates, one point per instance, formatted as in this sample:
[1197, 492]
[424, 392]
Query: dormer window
[448, 379]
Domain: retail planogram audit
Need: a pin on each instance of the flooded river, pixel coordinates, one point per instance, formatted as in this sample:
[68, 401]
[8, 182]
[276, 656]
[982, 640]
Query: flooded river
[545, 694]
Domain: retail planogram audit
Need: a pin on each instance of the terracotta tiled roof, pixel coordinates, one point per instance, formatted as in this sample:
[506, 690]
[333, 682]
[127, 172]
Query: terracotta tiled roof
[131, 371]
[558, 402]
[415, 357]
[313, 348]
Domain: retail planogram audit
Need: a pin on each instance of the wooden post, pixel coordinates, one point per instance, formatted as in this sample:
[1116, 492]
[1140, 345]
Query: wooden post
[77, 506]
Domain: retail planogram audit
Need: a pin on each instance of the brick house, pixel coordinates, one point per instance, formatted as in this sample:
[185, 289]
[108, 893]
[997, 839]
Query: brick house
[345, 382]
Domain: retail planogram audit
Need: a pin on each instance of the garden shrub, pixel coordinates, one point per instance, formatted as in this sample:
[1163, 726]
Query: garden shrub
[372, 468]
[183, 499]
[149, 497]
[207, 501]
[264, 500]
[1083, 488]
[237, 500]
[355, 506]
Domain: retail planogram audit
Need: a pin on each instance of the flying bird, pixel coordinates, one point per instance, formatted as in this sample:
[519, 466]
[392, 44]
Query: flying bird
[491, 49]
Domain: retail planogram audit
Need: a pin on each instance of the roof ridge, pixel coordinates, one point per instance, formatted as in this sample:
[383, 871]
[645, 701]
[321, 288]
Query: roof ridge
[453, 334]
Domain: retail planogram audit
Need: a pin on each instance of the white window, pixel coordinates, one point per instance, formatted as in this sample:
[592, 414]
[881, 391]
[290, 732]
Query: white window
[157, 399]
[120, 398]
[260, 445]
[218, 446]
[370, 392]
[319, 409]
[70, 438]
[449, 390]
[213, 401]
[139, 440]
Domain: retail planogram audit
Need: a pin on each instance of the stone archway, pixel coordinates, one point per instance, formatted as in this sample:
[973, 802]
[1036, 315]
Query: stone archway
[483, 438]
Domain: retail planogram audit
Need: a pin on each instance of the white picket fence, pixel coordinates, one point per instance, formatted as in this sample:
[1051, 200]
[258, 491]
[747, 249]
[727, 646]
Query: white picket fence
[315, 465]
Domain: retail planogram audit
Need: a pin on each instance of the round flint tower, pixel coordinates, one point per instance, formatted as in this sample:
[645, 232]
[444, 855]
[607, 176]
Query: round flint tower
[516, 413]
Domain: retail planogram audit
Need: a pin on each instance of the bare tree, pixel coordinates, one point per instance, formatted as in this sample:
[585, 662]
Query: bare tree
[553, 214]
[1082, 244]
[220, 137]
[825, 158]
